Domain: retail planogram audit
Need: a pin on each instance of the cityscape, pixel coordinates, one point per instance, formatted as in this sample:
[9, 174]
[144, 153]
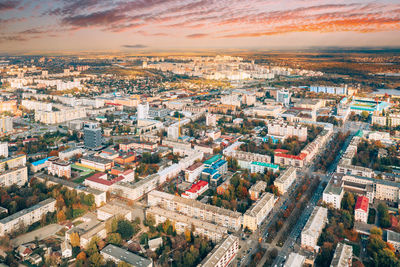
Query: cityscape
[199, 133]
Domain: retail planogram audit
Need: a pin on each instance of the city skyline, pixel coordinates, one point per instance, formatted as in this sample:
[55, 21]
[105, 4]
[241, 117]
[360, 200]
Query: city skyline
[137, 26]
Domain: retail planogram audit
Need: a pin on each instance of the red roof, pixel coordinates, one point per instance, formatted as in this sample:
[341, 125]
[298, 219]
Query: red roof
[197, 186]
[96, 178]
[300, 156]
[362, 203]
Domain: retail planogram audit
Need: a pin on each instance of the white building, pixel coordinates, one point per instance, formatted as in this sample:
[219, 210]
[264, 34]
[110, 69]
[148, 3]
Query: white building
[258, 212]
[295, 260]
[282, 129]
[333, 192]
[343, 256]
[4, 149]
[393, 238]
[37, 105]
[193, 172]
[66, 250]
[27, 216]
[361, 209]
[18, 176]
[223, 254]
[143, 111]
[313, 228]
[6, 125]
[60, 116]
[211, 120]
[285, 180]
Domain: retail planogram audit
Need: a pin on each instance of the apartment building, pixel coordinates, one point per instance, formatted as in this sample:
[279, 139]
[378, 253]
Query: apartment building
[290, 160]
[285, 180]
[258, 211]
[193, 172]
[27, 216]
[343, 256]
[37, 105]
[133, 145]
[111, 210]
[262, 167]
[12, 162]
[60, 116]
[96, 163]
[100, 182]
[18, 176]
[284, 130]
[183, 222]
[256, 190]
[223, 254]
[59, 167]
[313, 228]
[211, 120]
[4, 149]
[196, 209]
[334, 192]
[361, 209]
[6, 125]
[244, 158]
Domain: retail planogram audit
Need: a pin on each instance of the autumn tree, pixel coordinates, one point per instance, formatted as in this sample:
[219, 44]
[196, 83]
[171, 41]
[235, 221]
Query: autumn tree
[75, 239]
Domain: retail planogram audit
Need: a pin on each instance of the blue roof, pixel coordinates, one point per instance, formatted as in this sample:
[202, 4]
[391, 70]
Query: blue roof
[210, 171]
[40, 162]
[218, 163]
[215, 177]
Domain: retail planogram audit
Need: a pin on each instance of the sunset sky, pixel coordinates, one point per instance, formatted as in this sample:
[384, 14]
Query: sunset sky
[90, 25]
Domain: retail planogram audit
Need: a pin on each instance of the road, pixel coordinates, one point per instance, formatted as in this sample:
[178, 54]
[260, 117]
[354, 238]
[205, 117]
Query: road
[41, 234]
[293, 241]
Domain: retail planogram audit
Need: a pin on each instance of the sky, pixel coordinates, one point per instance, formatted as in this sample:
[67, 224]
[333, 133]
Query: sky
[162, 25]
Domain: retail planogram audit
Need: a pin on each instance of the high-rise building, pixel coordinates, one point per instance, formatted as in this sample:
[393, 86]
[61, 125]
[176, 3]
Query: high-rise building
[4, 149]
[211, 120]
[6, 125]
[92, 136]
[283, 96]
[143, 111]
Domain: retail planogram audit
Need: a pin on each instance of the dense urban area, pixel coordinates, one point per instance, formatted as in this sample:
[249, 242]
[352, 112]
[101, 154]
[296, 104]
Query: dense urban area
[209, 161]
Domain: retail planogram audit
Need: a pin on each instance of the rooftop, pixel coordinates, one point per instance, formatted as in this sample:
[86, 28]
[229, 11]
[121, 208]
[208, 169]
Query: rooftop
[126, 256]
[218, 252]
[362, 203]
[343, 255]
[265, 164]
[256, 208]
[212, 159]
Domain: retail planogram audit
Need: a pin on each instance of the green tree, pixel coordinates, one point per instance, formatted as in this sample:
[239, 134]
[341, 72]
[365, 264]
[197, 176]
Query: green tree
[114, 238]
[96, 259]
[125, 229]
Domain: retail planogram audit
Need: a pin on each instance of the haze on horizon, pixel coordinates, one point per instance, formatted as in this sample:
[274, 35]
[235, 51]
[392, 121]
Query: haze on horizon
[89, 25]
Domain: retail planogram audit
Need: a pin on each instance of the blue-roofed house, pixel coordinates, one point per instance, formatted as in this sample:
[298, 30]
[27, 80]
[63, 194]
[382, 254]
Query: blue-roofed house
[40, 164]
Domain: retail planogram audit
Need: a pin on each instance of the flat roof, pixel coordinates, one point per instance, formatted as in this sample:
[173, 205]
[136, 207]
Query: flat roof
[126, 256]
[265, 164]
[27, 210]
[219, 251]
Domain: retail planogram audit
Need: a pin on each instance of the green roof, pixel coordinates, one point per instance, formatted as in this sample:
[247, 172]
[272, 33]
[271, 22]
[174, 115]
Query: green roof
[213, 159]
[359, 133]
[264, 164]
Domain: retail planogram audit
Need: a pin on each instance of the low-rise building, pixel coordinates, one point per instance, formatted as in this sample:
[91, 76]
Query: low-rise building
[70, 152]
[27, 216]
[393, 238]
[96, 163]
[261, 167]
[258, 212]
[117, 254]
[256, 190]
[182, 222]
[18, 176]
[285, 180]
[223, 254]
[59, 167]
[313, 228]
[113, 210]
[196, 190]
[12, 162]
[361, 209]
[295, 260]
[343, 256]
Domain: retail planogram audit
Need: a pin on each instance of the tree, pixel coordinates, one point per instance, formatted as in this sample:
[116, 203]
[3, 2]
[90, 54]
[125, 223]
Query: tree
[96, 259]
[81, 256]
[124, 264]
[114, 238]
[61, 216]
[188, 235]
[125, 229]
[74, 239]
